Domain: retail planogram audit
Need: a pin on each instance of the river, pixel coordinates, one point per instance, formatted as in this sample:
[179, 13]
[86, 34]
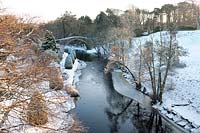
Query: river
[101, 109]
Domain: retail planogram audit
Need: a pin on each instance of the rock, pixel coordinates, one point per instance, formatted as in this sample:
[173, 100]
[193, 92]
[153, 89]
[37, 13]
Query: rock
[176, 119]
[188, 127]
[68, 62]
[73, 57]
[163, 111]
[194, 125]
[182, 123]
[170, 116]
[195, 130]
[72, 91]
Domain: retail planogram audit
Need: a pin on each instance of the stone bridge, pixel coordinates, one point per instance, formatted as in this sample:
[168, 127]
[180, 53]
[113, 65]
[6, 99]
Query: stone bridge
[85, 40]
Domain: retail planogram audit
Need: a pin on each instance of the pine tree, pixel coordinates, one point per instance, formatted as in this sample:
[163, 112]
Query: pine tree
[50, 42]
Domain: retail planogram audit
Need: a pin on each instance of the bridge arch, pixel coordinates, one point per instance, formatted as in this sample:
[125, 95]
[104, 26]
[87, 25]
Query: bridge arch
[66, 41]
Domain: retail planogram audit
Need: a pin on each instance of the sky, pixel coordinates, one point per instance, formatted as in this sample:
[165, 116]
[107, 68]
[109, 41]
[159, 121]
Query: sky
[51, 9]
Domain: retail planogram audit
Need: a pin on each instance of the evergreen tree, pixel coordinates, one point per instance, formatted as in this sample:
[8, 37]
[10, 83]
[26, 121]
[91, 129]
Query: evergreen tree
[50, 42]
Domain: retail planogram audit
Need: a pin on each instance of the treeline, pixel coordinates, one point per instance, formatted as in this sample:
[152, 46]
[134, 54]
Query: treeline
[184, 15]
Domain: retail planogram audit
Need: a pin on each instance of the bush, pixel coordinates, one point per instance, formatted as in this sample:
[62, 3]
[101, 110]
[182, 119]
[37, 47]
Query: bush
[37, 110]
[68, 62]
[157, 29]
[186, 28]
[138, 32]
[77, 126]
[55, 79]
[53, 55]
[50, 42]
[55, 85]
[72, 91]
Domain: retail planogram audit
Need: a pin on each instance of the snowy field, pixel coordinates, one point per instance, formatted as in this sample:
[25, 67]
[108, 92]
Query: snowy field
[185, 81]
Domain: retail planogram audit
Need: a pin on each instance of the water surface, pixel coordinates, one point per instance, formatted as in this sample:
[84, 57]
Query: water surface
[101, 108]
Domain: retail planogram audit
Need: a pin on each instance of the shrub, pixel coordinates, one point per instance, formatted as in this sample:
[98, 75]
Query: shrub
[56, 85]
[55, 79]
[37, 110]
[186, 28]
[53, 55]
[50, 42]
[157, 29]
[72, 91]
[77, 126]
[138, 32]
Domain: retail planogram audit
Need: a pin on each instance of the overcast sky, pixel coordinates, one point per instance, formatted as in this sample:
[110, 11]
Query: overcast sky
[51, 9]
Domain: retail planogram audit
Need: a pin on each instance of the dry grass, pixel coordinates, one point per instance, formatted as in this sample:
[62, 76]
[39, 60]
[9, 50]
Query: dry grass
[77, 127]
[72, 91]
[37, 110]
[56, 79]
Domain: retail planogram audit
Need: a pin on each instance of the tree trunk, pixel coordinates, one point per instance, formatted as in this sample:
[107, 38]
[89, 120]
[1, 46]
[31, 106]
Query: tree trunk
[167, 68]
[64, 32]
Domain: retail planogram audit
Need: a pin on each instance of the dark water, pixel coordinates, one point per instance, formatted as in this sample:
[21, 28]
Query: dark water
[101, 108]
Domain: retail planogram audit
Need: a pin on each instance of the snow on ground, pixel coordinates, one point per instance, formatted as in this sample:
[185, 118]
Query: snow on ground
[58, 103]
[186, 80]
[92, 51]
[71, 76]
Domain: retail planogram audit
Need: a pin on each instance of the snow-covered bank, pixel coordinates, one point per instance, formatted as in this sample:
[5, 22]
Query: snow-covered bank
[182, 99]
[71, 76]
[187, 81]
[58, 102]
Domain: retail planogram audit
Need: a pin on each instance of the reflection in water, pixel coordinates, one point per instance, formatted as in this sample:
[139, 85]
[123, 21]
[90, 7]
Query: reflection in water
[122, 109]
[102, 109]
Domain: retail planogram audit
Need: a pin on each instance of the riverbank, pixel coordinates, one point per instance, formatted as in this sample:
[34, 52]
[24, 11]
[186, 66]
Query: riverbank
[122, 86]
[102, 109]
[181, 94]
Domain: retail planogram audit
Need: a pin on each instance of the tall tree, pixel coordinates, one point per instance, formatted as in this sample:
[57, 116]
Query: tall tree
[86, 26]
[168, 9]
[159, 56]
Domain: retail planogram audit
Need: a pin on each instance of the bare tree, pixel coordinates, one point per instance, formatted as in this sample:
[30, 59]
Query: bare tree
[159, 56]
[118, 39]
[196, 12]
